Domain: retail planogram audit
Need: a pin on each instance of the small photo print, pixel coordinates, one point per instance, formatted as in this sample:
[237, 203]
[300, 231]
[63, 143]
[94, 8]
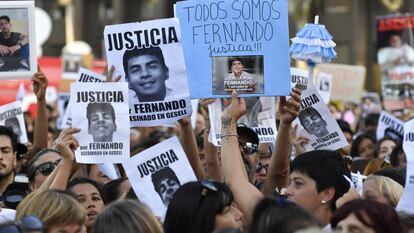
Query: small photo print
[241, 73]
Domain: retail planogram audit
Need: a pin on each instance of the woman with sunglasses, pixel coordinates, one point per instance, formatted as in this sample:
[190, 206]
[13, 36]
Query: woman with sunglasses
[202, 207]
[41, 166]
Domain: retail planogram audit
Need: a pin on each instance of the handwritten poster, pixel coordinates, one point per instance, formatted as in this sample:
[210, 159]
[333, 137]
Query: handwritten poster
[236, 45]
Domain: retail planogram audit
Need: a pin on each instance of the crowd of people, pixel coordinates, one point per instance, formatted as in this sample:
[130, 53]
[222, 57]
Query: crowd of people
[242, 186]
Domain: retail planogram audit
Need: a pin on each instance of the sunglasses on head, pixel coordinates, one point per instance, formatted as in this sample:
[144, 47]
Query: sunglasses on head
[249, 148]
[260, 166]
[28, 224]
[208, 185]
[47, 167]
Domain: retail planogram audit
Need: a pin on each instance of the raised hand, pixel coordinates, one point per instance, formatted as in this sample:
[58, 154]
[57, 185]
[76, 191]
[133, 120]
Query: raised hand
[110, 74]
[66, 143]
[39, 82]
[236, 109]
[289, 109]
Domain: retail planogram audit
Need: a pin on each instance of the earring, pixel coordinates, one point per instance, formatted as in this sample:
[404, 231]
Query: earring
[323, 202]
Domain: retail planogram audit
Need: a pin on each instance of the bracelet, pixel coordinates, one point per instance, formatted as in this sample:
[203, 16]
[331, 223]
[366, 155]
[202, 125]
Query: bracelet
[229, 135]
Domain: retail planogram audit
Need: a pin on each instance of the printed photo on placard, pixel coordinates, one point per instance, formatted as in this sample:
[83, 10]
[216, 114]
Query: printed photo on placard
[324, 86]
[390, 126]
[316, 122]
[260, 116]
[104, 136]
[217, 32]
[406, 203]
[71, 64]
[157, 172]
[83, 76]
[17, 40]
[149, 56]
[11, 115]
[241, 73]
[62, 105]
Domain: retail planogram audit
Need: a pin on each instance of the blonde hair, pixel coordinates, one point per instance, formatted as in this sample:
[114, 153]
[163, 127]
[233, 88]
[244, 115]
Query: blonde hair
[127, 216]
[374, 165]
[53, 207]
[391, 190]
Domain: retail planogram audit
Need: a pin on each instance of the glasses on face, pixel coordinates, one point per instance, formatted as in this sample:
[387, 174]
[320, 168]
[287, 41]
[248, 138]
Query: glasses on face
[47, 167]
[260, 166]
[249, 148]
[28, 224]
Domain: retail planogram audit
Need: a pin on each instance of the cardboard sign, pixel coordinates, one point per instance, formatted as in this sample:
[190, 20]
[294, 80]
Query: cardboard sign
[390, 126]
[406, 203]
[347, 81]
[104, 136]
[315, 121]
[11, 115]
[157, 172]
[149, 56]
[260, 116]
[235, 45]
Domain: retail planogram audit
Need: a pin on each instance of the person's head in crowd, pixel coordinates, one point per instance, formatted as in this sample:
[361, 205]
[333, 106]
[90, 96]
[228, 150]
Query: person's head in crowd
[374, 165]
[317, 181]
[262, 165]
[95, 173]
[202, 207]
[41, 166]
[8, 151]
[382, 189]
[407, 221]
[13, 123]
[358, 164]
[280, 215]
[366, 216]
[371, 122]
[166, 183]
[115, 189]
[335, 111]
[89, 195]
[396, 174]
[398, 157]
[201, 154]
[363, 146]
[52, 114]
[384, 147]
[29, 224]
[127, 216]
[200, 124]
[51, 135]
[101, 121]
[313, 122]
[395, 40]
[348, 133]
[248, 145]
[146, 72]
[58, 210]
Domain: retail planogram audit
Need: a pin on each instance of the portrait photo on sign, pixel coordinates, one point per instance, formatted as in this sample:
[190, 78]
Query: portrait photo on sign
[241, 73]
[17, 40]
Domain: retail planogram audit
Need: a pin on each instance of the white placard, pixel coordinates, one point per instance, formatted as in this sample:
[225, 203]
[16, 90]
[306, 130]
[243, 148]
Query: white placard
[101, 112]
[149, 56]
[157, 172]
[390, 126]
[260, 116]
[315, 121]
[324, 86]
[11, 115]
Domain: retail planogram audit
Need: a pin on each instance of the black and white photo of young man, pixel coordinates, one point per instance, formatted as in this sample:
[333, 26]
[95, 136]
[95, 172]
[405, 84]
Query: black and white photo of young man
[313, 123]
[101, 121]
[165, 183]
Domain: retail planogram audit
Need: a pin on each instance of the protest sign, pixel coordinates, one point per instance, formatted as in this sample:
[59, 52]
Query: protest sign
[406, 203]
[11, 115]
[347, 81]
[357, 181]
[390, 126]
[104, 136]
[71, 64]
[241, 45]
[194, 106]
[299, 78]
[260, 116]
[84, 76]
[157, 172]
[150, 58]
[315, 121]
[62, 105]
[324, 86]
[395, 56]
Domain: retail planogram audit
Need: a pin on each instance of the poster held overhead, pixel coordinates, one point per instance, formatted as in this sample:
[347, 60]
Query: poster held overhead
[104, 136]
[390, 126]
[11, 115]
[157, 172]
[235, 45]
[148, 55]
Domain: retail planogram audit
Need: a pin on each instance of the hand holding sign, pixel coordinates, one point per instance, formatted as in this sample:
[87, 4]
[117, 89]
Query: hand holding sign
[66, 143]
[40, 82]
[236, 109]
[289, 109]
